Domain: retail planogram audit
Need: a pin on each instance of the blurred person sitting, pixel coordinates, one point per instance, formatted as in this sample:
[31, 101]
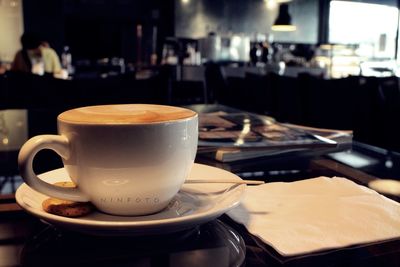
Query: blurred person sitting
[36, 58]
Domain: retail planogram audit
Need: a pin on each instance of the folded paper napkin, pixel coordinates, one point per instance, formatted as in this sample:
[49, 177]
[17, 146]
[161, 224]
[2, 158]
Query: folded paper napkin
[317, 214]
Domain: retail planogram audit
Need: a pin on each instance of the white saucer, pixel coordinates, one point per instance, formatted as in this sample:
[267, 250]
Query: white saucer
[193, 205]
[386, 186]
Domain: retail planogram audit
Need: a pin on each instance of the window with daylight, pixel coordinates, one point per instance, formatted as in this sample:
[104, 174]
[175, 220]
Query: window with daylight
[372, 26]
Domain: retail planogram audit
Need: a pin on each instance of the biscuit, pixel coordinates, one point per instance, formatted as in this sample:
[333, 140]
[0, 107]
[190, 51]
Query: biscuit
[66, 208]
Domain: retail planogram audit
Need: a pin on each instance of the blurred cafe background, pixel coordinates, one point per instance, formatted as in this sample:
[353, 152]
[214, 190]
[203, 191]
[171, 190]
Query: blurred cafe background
[321, 66]
[320, 63]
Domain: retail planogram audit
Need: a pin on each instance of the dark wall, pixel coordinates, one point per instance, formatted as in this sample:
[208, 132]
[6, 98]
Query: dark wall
[45, 17]
[196, 18]
[99, 28]
[106, 28]
[305, 17]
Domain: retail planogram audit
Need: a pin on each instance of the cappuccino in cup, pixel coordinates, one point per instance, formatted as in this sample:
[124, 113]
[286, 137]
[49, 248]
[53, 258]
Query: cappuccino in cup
[126, 159]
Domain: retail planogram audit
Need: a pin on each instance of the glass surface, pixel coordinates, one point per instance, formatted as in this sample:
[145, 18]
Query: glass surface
[212, 244]
[27, 241]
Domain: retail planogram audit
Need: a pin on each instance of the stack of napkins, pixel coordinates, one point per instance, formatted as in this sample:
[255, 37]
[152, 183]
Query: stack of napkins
[317, 214]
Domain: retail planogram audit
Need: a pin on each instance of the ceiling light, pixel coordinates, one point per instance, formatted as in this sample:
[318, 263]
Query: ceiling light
[284, 21]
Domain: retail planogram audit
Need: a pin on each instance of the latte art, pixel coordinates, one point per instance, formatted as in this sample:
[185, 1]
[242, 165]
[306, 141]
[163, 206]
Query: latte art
[125, 114]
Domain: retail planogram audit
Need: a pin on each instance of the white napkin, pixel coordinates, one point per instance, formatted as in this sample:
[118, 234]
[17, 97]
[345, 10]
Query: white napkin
[317, 214]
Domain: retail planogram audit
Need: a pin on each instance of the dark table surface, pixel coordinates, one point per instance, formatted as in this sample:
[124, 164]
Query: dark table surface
[27, 241]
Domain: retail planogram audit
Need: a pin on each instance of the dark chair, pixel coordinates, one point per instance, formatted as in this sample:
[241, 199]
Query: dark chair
[120, 90]
[188, 93]
[259, 93]
[18, 93]
[366, 115]
[377, 111]
[330, 103]
[389, 109]
[286, 94]
[216, 84]
[240, 92]
[236, 94]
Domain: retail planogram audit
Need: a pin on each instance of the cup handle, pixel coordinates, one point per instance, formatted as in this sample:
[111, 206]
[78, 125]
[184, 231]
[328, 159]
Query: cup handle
[60, 145]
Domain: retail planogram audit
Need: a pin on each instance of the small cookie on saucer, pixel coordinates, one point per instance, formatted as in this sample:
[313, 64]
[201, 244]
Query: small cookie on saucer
[66, 208]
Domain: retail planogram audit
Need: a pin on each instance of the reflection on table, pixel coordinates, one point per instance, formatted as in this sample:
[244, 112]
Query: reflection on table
[26, 241]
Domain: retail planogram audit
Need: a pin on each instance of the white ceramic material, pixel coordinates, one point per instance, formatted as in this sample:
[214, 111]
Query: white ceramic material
[123, 168]
[193, 205]
[386, 186]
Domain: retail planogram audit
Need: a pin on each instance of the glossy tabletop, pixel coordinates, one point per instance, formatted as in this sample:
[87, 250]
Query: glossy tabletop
[27, 241]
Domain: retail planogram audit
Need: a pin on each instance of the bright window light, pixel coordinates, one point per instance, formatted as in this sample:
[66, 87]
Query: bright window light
[361, 23]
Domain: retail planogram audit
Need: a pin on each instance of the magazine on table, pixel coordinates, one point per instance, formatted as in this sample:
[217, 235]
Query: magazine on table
[236, 136]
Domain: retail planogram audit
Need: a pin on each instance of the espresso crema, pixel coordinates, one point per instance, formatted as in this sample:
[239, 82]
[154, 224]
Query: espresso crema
[125, 114]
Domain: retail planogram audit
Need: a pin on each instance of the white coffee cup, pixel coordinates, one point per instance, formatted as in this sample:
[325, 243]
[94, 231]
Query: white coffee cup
[125, 159]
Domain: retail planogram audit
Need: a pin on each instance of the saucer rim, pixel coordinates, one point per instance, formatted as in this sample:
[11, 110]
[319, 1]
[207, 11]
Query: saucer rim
[144, 224]
[380, 186]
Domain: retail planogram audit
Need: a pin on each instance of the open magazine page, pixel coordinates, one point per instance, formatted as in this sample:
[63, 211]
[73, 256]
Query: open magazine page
[251, 131]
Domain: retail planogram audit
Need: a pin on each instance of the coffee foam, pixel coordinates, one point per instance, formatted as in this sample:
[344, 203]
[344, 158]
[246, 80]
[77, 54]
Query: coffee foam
[125, 114]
